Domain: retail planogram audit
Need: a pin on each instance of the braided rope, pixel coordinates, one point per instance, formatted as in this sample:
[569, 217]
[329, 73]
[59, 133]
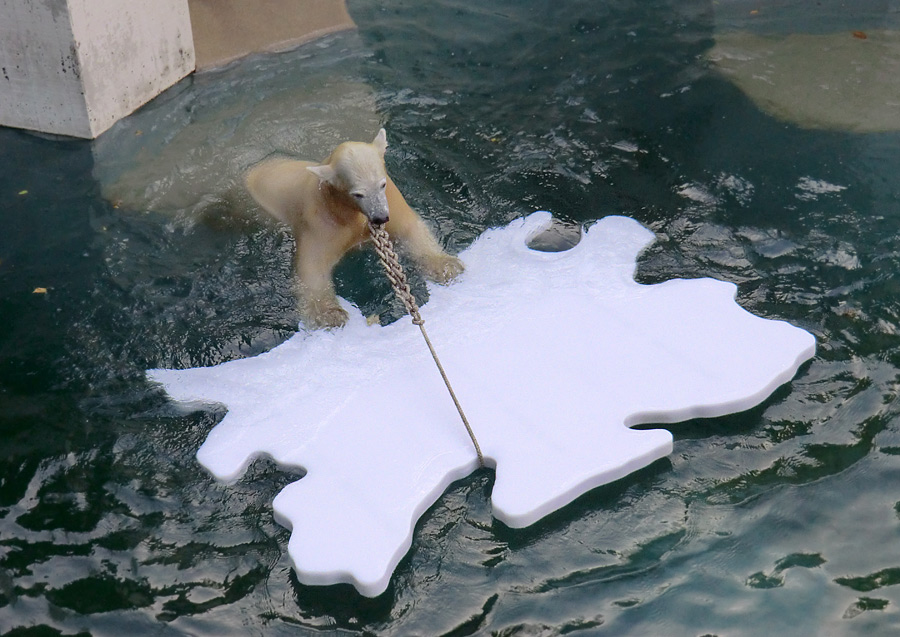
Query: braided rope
[397, 277]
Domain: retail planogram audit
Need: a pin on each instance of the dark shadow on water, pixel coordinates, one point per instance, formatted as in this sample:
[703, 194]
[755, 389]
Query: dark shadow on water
[343, 603]
[598, 499]
[738, 424]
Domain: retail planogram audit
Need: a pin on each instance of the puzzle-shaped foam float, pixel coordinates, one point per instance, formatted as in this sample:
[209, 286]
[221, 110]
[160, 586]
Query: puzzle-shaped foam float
[553, 356]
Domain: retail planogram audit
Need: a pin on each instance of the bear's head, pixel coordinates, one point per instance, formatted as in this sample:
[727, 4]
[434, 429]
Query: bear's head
[357, 170]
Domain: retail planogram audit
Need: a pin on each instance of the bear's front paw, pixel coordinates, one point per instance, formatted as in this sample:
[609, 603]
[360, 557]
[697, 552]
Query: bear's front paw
[443, 268]
[325, 315]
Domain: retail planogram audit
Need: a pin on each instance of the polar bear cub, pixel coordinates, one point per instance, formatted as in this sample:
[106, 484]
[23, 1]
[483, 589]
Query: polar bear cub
[328, 207]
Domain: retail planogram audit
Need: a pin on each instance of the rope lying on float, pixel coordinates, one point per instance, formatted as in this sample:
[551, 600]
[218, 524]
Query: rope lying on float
[397, 277]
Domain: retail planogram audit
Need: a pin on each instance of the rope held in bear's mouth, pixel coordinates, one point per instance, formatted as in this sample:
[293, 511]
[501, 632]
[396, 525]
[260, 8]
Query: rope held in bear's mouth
[397, 277]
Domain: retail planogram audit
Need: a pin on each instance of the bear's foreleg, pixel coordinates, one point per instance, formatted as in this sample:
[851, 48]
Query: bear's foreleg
[407, 227]
[436, 265]
[313, 286]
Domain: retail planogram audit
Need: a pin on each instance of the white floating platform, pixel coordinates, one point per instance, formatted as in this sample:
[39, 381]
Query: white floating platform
[553, 357]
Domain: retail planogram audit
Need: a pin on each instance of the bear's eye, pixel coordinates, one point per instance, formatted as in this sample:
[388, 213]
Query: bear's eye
[383, 184]
[358, 195]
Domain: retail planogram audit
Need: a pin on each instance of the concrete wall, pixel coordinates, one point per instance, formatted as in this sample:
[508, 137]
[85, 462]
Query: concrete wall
[225, 30]
[75, 67]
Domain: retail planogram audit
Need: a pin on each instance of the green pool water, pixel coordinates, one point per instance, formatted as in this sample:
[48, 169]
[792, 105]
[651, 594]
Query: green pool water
[781, 520]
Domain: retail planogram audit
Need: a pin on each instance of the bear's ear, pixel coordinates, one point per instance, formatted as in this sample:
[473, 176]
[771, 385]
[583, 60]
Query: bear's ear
[380, 142]
[324, 172]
